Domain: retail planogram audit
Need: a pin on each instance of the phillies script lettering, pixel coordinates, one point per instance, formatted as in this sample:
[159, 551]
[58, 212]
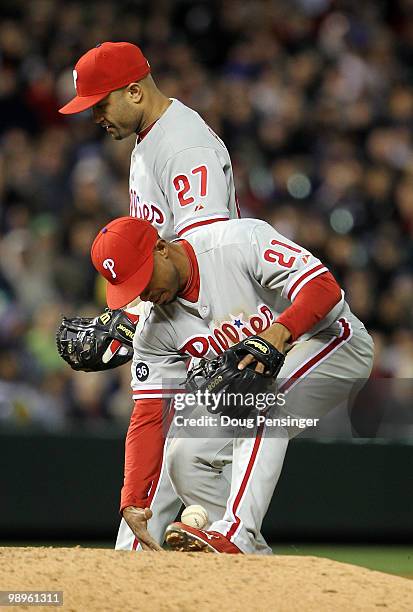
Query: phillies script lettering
[145, 210]
[227, 334]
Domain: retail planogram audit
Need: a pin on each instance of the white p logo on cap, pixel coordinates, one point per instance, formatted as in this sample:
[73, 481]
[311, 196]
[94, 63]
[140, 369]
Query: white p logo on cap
[75, 79]
[109, 264]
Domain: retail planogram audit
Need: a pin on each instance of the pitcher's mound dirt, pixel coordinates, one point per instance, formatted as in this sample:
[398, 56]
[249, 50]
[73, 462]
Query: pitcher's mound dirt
[107, 580]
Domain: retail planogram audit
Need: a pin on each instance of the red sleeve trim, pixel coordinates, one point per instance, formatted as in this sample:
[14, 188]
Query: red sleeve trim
[313, 302]
[199, 223]
[143, 450]
[301, 279]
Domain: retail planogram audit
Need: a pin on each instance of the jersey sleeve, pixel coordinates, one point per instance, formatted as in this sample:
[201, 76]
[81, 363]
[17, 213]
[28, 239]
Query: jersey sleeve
[157, 367]
[315, 300]
[198, 186]
[280, 264]
[156, 375]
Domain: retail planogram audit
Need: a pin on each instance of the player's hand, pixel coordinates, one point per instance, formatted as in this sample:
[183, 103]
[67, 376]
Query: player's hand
[278, 336]
[137, 519]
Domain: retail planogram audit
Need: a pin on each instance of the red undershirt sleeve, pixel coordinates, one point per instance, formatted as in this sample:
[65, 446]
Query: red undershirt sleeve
[311, 305]
[143, 452]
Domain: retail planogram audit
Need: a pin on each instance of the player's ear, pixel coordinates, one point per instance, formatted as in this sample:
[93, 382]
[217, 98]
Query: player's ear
[162, 246]
[135, 92]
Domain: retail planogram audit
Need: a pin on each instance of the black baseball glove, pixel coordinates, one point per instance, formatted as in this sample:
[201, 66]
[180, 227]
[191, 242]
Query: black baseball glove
[222, 376]
[99, 343]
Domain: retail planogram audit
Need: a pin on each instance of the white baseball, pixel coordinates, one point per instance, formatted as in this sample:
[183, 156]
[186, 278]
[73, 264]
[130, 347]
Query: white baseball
[195, 516]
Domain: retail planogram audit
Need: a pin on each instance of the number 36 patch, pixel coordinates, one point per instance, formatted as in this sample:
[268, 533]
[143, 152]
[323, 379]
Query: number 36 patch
[142, 371]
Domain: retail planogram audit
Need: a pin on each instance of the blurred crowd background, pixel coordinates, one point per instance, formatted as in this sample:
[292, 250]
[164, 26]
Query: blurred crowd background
[313, 98]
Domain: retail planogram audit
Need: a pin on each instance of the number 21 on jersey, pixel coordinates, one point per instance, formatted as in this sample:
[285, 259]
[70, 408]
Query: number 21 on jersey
[197, 184]
[282, 254]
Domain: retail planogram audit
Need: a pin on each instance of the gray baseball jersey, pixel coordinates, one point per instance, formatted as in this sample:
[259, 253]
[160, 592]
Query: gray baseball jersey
[181, 175]
[249, 274]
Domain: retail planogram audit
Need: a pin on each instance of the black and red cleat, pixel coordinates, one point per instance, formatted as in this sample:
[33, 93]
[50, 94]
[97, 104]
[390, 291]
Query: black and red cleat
[182, 538]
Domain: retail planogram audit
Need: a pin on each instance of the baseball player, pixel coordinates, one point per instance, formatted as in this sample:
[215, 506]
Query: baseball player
[180, 180]
[232, 280]
[180, 173]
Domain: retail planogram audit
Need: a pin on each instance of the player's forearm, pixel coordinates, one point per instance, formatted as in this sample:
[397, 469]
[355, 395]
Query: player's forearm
[143, 452]
[312, 304]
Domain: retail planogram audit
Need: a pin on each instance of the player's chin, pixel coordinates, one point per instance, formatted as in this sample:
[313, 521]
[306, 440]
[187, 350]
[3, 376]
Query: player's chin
[115, 133]
[120, 133]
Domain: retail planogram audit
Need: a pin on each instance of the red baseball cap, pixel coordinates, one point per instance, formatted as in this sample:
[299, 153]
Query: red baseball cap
[107, 67]
[122, 253]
